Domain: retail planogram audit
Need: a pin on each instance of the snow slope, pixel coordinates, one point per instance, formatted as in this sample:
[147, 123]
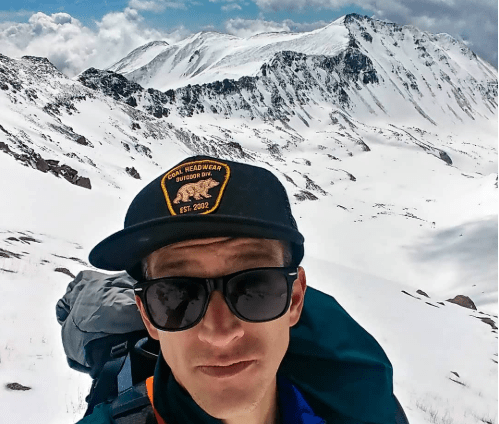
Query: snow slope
[389, 202]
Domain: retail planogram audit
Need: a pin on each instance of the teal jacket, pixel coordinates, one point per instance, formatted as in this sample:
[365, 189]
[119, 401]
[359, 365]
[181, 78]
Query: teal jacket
[339, 368]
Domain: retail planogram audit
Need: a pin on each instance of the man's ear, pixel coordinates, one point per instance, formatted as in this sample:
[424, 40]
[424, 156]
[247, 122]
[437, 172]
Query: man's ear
[297, 297]
[151, 329]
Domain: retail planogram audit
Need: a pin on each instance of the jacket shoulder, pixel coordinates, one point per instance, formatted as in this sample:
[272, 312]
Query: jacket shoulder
[100, 415]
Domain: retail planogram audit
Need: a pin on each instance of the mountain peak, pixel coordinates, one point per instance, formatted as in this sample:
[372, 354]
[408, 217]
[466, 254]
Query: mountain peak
[139, 56]
[356, 17]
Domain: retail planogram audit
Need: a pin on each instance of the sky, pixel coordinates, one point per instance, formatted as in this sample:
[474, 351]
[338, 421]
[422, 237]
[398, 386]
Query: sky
[78, 34]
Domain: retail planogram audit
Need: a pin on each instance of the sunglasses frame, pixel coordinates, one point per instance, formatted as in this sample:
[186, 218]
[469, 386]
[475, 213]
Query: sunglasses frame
[212, 284]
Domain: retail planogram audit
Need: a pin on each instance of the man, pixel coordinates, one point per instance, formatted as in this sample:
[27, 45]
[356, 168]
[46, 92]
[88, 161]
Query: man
[216, 252]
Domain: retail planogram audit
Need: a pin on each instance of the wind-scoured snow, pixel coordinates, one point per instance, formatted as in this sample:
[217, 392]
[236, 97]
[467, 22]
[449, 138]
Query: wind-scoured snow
[139, 57]
[211, 56]
[392, 180]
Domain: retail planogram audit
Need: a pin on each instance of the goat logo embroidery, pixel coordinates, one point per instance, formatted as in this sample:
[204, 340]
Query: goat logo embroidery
[195, 187]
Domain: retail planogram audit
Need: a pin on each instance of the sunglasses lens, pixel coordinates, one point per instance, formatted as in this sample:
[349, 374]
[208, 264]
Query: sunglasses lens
[259, 295]
[175, 304]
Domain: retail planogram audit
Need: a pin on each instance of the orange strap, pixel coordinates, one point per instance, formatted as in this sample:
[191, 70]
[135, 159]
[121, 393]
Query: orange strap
[149, 387]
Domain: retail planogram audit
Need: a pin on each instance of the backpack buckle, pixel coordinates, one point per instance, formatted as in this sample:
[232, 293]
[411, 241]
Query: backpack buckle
[119, 350]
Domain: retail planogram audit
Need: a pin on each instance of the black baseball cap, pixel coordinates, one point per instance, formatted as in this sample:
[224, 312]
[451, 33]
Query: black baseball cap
[198, 198]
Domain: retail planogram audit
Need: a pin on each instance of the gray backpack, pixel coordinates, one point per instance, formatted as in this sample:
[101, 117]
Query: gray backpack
[101, 328]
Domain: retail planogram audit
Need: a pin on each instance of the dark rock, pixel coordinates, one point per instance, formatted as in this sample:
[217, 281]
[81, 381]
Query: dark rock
[364, 146]
[82, 140]
[65, 271]
[131, 101]
[110, 83]
[4, 86]
[144, 150]
[311, 185]
[415, 297]
[422, 293]
[463, 301]
[353, 43]
[133, 172]
[351, 17]
[366, 36]
[42, 165]
[488, 321]
[158, 112]
[135, 126]
[235, 145]
[83, 182]
[445, 157]
[4, 147]
[17, 386]
[305, 195]
[29, 239]
[7, 254]
[67, 172]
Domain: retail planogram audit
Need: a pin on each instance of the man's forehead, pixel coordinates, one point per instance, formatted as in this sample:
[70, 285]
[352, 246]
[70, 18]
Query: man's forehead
[190, 254]
[239, 243]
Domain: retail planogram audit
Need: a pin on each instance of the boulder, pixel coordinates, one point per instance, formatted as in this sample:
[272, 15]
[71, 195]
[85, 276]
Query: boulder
[422, 293]
[82, 140]
[133, 172]
[83, 182]
[42, 165]
[463, 301]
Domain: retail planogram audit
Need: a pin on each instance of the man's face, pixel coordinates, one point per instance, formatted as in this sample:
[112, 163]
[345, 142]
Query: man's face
[227, 365]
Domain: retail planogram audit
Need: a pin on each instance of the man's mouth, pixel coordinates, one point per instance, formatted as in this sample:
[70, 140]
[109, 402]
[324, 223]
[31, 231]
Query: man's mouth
[225, 371]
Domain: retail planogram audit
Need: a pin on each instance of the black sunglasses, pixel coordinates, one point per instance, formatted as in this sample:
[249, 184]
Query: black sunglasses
[253, 295]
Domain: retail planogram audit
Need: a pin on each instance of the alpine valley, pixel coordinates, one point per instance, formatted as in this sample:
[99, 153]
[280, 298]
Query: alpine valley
[384, 136]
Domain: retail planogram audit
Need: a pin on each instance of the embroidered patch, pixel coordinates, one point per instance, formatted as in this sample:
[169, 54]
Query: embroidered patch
[195, 187]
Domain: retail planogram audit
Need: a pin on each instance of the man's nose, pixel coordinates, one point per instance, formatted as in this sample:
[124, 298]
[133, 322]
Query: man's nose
[219, 327]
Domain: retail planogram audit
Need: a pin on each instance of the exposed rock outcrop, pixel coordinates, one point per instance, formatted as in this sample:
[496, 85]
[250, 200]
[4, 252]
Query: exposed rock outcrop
[463, 301]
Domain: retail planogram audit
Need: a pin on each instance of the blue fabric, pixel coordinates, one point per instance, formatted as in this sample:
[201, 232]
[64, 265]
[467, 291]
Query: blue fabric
[293, 407]
[339, 367]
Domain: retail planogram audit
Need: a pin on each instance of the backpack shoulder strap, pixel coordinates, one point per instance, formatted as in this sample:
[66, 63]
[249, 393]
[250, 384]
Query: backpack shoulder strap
[133, 406]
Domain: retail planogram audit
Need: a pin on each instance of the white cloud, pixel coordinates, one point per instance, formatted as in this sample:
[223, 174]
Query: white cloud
[157, 6]
[305, 26]
[73, 47]
[248, 27]
[146, 5]
[475, 22]
[231, 6]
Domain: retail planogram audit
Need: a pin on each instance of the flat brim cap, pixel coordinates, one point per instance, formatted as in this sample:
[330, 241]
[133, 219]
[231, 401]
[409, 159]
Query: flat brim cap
[198, 198]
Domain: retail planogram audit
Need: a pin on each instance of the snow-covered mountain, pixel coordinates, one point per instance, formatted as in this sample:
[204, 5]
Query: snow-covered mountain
[384, 136]
[395, 55]
[354, 71]
[139, 57]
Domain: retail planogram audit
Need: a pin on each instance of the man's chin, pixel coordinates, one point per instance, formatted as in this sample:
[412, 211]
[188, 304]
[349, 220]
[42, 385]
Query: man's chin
[230, 403]
[232, 397]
